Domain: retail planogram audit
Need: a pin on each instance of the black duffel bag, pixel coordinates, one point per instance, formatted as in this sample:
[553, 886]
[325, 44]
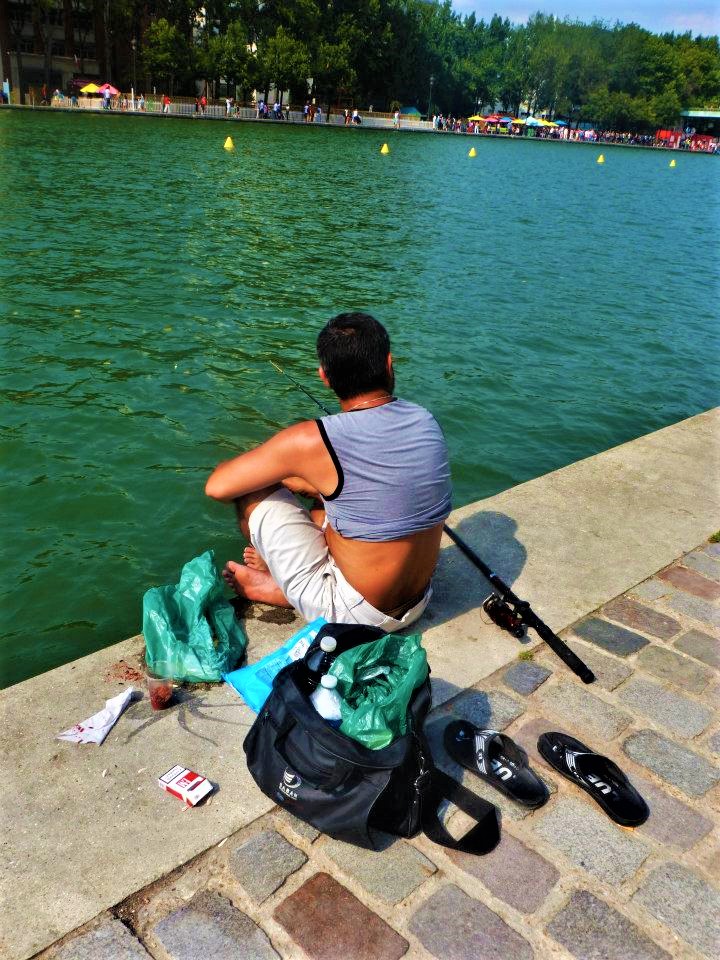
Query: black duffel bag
[340, 786]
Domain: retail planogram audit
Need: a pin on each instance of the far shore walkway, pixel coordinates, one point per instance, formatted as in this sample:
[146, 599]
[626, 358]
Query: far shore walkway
[370, 121]
[614, 552]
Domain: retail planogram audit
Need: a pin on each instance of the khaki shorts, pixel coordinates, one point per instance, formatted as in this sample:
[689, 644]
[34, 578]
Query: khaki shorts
[294, 548]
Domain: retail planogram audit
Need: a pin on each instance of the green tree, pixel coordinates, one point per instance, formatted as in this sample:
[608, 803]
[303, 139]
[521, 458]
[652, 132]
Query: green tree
[333, 70]
[665, 108]
[210, 59]
[377, 51]
[167, 54]
[282, 61]
[515, 81]
[237, 57]
[616, 110]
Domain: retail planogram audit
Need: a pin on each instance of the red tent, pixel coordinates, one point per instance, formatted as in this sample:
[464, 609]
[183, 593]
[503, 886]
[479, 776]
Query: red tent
[670, 138]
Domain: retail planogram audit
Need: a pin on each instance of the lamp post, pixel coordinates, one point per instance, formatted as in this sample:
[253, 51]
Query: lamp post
[133, 45]
[432, 81]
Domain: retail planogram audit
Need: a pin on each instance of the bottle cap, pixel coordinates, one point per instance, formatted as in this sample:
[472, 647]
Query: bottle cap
[328, 681]
[328, 644]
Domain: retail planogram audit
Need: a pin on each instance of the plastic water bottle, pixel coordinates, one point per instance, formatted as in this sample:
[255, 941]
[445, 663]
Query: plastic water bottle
[319, 662]
[326, 700]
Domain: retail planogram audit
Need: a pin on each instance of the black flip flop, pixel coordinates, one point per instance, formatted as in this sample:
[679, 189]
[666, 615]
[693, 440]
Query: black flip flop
[597, 775]
[496, 759]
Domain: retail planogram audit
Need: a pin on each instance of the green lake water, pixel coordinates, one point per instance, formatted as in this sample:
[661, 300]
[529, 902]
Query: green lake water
[543, 307]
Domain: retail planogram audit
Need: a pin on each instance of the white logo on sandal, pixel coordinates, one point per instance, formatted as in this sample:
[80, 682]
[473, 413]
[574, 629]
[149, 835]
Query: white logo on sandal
[503, 772]
[597, 782]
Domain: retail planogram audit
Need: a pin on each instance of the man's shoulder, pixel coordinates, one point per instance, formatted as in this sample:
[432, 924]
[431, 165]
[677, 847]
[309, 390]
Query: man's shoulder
[301, 435]
[414, 409]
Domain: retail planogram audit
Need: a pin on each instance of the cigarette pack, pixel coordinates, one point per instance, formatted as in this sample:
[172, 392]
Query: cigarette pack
[186, 785]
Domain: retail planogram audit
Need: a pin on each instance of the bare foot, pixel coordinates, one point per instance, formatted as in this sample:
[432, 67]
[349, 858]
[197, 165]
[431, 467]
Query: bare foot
[253, 584]
[252, 559]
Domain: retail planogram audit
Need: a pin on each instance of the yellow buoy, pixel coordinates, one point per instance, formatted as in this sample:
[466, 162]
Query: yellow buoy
[672, 162]
[384, 148]
[472, 152]
[229, 145]
[601, 158]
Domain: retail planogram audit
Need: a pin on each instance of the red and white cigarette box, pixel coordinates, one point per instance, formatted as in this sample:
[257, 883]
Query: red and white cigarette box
[186, 785]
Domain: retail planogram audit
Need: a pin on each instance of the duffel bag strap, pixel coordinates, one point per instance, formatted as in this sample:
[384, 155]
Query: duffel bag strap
[481, 838]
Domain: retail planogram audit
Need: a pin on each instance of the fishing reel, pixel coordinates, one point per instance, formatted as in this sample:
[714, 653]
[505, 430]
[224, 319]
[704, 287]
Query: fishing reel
[502, 614]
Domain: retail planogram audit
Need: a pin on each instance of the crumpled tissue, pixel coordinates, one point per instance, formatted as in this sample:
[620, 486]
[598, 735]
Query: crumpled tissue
[99, 725]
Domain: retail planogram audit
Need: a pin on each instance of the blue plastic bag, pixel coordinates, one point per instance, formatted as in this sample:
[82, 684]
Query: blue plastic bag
[254, 682]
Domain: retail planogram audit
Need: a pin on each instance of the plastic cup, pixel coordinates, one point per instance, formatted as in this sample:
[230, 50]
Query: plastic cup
[161, 691]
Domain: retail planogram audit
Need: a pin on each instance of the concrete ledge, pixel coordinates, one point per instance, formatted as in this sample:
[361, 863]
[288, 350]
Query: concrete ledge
[84, 827]
[575, 538]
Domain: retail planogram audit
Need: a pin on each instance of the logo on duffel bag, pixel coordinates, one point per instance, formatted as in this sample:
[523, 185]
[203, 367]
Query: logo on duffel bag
[289, 784]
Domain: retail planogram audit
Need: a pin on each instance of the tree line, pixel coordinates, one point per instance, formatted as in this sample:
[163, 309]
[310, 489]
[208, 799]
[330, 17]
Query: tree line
[400, 52]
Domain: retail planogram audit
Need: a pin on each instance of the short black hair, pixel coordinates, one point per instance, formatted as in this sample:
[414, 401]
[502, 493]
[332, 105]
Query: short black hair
[353, 349]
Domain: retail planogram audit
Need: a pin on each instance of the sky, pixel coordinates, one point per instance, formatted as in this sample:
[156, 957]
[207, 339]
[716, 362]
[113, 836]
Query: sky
[660, 16]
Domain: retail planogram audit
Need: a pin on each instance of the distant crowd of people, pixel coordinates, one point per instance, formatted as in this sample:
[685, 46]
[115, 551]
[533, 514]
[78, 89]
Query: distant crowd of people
[495, 126]
[688, 140]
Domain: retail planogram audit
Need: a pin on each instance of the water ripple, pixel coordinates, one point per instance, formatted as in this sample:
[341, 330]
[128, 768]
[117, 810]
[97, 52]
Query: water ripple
[544, 308]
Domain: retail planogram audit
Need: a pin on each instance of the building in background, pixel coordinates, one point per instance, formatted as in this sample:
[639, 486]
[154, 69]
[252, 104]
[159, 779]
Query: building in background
[51, 45]
[702, 122]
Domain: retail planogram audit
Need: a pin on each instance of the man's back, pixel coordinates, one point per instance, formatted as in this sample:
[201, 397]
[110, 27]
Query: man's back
[394, 475]
[385, 517]
[381, 469]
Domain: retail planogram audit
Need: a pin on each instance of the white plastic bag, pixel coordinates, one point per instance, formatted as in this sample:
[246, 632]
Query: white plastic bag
[99, 725]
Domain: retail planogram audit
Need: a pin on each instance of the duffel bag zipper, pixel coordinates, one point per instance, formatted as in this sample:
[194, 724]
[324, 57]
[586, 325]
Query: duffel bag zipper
[267, 718]
[422, 781]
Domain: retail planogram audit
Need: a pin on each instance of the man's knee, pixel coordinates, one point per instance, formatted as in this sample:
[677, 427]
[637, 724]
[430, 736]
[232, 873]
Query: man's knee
[245, 505]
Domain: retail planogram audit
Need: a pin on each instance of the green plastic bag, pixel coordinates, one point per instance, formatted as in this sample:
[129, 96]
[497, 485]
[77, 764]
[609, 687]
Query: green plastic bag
[376, 681]
[190, 629]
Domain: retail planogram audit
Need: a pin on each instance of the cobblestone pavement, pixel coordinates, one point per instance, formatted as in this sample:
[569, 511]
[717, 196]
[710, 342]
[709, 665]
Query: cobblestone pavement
[564, 882]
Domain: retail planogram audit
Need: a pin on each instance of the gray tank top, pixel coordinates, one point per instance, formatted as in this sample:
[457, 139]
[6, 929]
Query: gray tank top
[393, 471]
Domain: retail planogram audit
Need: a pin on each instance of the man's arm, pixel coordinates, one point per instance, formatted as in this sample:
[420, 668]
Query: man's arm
[298, 485]
[289, 453]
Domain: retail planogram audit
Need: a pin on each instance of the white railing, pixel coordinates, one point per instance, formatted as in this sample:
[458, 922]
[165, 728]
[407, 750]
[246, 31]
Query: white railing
[185, 107]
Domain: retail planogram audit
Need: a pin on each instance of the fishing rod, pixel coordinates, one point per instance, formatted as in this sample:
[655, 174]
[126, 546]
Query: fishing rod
[504, 607]
[300, 387]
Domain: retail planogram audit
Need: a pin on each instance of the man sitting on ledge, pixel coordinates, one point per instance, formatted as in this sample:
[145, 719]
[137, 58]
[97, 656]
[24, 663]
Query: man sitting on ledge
[380, 476]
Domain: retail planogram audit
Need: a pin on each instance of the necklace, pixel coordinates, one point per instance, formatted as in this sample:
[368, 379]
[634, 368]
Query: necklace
[385, 396]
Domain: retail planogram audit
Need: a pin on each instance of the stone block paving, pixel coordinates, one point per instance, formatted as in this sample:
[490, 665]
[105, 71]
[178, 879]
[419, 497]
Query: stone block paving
[684, 901]
[610, 637]
[609, 671]
[328, 923]
[577, 925]
[641, 617]
[111, 940]
[512, 872]
[210, 926]
[525, 677]
[678, 714]
[263, 863]
[391, 873]
[701, 646]
[683, 768]
[600, 719]
[679, 671]
[584, 835]
[565, 880]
